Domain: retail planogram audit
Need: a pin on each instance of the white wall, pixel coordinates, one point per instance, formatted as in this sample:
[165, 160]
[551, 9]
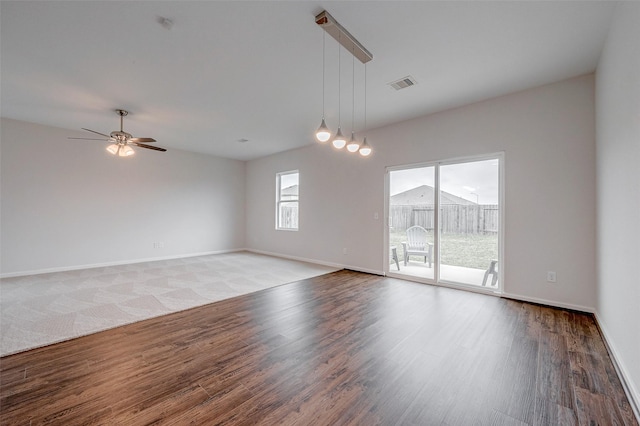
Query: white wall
[68, 203]
[548, 137]
[618, 174]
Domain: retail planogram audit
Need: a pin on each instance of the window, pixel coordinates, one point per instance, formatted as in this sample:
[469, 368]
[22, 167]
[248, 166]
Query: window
[287, 200]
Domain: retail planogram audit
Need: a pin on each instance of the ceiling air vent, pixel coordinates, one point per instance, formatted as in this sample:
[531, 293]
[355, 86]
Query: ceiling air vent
[403, 83]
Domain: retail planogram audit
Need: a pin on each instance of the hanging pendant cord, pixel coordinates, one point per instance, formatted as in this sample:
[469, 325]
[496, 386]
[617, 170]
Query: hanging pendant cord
[323, 67]
[339, 88]
[353, 91]
[365, 98]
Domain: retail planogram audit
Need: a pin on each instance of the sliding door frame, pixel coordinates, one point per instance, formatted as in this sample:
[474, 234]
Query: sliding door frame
[500, 156]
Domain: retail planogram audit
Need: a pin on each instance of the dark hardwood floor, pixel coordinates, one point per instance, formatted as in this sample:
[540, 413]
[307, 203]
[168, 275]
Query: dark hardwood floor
[344, 348]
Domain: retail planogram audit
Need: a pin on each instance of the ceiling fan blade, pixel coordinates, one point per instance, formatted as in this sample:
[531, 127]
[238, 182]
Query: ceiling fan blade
[141, 145]
[98, 133]
[142, 140]
[91, 139]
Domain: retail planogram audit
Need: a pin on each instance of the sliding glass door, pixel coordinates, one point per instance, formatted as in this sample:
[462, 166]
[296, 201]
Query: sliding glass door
[444, 221]
[412, 214]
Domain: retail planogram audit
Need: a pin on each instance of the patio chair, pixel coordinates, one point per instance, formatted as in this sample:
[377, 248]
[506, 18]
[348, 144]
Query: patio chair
[491, 271]
[417, 245]
[394, 256]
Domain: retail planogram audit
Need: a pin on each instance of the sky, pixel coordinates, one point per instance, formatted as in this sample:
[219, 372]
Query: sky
[461, 179]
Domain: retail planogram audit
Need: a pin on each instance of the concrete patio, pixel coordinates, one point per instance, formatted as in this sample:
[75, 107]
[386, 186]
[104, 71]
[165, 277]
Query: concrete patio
[448, 273]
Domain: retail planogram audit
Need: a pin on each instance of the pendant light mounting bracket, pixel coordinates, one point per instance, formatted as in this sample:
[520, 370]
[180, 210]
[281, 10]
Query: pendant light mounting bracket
[342, 36]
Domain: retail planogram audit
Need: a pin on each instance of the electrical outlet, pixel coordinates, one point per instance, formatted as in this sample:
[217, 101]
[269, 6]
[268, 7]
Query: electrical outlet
[376, 216]
[344, 250]
[551, 276]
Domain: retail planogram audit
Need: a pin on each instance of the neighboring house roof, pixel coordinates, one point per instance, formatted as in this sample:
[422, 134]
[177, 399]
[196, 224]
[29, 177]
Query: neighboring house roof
[289, 192]
[424, 195]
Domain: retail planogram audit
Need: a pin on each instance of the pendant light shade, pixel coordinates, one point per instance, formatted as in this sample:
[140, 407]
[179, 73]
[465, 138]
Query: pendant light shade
[113, 148]
[339, 141]
[353, 144]
[323, 134]
[365, 148]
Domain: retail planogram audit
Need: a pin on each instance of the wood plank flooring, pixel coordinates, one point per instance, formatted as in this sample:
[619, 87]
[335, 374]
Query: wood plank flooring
[343, 348]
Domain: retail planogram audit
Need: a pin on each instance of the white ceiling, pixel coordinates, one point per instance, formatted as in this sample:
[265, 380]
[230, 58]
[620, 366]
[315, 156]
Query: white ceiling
[232, 70]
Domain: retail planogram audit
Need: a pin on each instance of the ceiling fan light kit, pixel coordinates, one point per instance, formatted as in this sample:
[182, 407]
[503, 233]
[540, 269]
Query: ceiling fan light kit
[121, 141]
[357, 50]
[121, 151]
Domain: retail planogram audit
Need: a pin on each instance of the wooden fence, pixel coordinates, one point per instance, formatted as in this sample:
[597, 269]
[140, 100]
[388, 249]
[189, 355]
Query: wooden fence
[454, 218]
[289, 216]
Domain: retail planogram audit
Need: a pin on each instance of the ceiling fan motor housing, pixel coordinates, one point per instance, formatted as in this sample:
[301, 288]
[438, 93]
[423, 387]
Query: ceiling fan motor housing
[120, 137]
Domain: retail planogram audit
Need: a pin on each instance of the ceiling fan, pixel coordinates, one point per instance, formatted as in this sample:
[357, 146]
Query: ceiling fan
[121, 140]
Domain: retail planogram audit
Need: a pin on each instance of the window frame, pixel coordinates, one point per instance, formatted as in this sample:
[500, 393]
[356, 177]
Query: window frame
[280, 201]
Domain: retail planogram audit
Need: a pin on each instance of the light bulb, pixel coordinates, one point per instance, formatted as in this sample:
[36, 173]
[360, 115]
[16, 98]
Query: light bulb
[339, 141]
[365, 148]
[353, 144]
[323, 134]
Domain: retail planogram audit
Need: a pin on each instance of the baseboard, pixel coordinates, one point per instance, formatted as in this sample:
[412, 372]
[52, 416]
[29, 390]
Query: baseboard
[633, 395]
[318, 262]
[117, 263]
[547, 302]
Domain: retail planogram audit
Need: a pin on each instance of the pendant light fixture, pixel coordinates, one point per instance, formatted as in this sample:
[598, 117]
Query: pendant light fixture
[323, 134]
[353, 46]
[353, 144]
[365, 148]
[339, 141]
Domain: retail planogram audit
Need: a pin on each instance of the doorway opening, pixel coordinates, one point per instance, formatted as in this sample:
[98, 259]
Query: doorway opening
[445, 222]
